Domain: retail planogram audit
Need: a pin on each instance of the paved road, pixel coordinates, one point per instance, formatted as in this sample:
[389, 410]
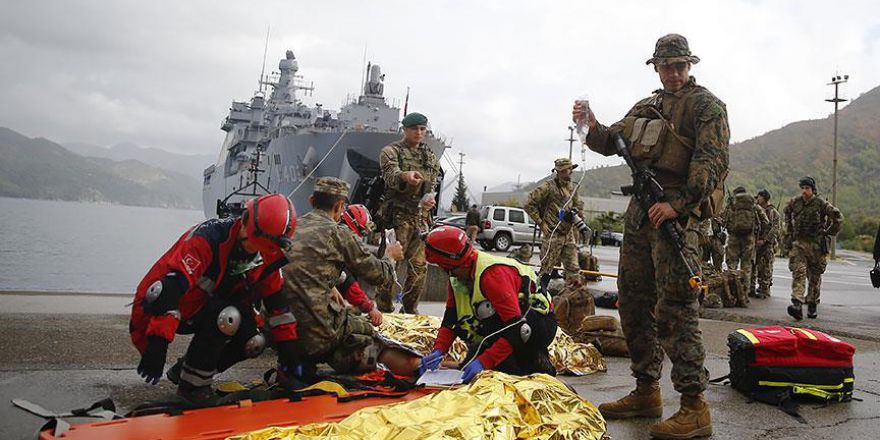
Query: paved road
[64, 351]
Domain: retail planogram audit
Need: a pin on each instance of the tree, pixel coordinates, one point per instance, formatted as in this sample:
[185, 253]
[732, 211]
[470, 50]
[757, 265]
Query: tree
[460, 200]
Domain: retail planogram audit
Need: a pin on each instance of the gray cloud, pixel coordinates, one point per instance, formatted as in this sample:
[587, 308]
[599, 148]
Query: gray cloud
[498, 78]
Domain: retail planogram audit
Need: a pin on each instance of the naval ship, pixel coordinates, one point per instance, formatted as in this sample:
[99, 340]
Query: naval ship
[278, 144]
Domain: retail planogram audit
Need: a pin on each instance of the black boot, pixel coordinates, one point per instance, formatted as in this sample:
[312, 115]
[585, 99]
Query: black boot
[812, 310]
[173, 373]
[796, 310]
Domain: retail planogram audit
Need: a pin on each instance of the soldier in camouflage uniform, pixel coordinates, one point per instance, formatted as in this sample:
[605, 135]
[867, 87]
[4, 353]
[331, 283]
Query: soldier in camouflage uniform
[810, 222]
[410, 171]
[741, 242]
[717, 241]
[765, 250]
[328, 331]
[550, 206]
[681, 133]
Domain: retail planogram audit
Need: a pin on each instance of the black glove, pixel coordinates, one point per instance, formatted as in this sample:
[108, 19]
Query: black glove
[153, 360]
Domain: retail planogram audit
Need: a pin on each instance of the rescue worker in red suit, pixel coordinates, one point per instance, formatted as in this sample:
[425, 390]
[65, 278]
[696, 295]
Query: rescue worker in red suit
[494, 306]
[357, 218]
[208, 284]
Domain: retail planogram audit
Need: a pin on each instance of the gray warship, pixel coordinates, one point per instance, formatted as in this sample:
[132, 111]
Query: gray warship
[278, 144]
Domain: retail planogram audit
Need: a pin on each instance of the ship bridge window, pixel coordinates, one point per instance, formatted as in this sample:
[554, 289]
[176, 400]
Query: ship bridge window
[236, 160]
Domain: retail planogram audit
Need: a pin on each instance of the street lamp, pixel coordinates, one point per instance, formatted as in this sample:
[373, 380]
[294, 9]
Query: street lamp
[836, 81]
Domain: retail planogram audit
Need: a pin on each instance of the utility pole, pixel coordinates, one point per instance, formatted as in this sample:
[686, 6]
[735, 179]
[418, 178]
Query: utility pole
[570, 140]
[836, 81]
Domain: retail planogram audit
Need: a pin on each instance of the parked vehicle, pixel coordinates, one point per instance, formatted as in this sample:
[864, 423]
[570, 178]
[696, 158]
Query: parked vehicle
[456, 220]
[503, 227]
[610, 238]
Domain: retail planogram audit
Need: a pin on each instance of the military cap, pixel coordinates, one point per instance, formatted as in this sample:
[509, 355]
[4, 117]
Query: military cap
[563, 164]
[765, 194]
[672, 48]
[332, 185]
[413, 119]
[740, 190]
[808, 181]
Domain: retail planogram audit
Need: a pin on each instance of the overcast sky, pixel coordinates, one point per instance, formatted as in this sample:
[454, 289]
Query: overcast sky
[496, 77]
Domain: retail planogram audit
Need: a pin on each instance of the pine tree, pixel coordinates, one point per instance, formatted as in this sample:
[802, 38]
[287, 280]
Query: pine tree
[460, 201]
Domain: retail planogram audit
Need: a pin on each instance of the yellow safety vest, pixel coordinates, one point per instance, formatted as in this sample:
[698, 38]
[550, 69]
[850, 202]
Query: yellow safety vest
[468, 298]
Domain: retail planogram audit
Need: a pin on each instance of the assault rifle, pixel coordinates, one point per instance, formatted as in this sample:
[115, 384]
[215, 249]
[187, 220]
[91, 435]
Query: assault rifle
[648, 192]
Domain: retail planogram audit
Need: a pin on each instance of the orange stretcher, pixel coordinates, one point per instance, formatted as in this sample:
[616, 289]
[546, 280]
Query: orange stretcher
[217, 423]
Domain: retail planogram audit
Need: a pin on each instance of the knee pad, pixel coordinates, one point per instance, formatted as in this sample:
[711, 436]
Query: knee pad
[229, 320]
[255, 345]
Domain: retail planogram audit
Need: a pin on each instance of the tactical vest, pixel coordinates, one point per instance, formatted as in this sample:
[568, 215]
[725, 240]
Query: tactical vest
[808, 218]
[655, 141]
[470, 303]
[419, 159]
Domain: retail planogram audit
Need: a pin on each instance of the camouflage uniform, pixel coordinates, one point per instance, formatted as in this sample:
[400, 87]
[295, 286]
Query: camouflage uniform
[810, 224]
[658, 309]
[741, 248]
[766, 254]
[402, 211]
[543, 207]
[329, 332]
[717, 241]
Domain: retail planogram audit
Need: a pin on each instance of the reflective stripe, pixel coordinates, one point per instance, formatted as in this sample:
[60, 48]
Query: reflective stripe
[175, 313]
[817, 392]
[748, 336]
[196, 377]
[279, 320]
[805, 332]
[768, 383]
[207, 284]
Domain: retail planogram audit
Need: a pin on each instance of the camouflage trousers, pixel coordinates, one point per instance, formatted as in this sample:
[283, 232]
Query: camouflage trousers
[715, 252]
[741, 254]
[762, 272]
[659, 311]
[559, 248]
[472, 232]
[416, 270]
[807, 264]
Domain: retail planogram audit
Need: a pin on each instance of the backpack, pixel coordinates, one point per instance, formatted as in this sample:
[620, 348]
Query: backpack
[573, 304]
[742, 216]
[779, 365]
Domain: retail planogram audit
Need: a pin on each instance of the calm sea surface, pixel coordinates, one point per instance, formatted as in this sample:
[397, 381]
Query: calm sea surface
[81, 247]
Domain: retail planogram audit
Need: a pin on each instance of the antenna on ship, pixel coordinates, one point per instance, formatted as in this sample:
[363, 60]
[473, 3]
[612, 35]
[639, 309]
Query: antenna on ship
[265, 52]
[363, 71]
[406, 101]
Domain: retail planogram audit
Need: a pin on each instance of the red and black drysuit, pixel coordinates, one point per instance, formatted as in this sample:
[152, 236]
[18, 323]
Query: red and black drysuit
[505, 352]
[196, 283]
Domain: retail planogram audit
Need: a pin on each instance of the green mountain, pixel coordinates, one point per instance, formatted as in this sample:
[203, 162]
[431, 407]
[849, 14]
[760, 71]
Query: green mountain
[40, 169]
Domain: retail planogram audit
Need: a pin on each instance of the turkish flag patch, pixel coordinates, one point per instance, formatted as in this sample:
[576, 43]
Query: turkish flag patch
[190, 263]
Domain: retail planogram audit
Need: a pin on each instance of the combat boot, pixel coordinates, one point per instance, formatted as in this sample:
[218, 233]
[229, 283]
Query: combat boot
[812, 310]
[173, 373]
[692, 420]
[644, 401]
[796, 310]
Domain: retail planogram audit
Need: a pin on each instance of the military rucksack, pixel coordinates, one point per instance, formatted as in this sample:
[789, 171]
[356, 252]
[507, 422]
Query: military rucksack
[742, 216]
[573, 304]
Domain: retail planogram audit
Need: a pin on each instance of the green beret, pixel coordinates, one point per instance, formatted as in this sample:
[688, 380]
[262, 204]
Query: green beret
[413, 119]
[332, 185]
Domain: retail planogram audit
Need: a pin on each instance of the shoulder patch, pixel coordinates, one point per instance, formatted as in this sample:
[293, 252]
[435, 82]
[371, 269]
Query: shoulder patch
[190, 263]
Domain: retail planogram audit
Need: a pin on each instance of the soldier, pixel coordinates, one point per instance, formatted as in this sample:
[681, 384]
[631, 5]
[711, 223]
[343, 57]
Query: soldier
[765, 249]
[811, 222]
[410, 171]
[746, 222]
[328, 331]
[717, 242]
[494, 306]
[551, 207]
[681, 132]
[472, 221]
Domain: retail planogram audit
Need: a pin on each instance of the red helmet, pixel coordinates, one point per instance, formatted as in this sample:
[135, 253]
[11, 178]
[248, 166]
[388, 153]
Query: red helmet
[269, 222]
[357, 217]
[448, 247]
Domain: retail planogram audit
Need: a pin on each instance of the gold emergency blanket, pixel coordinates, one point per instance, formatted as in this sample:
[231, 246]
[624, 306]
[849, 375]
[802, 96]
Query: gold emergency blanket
[419, 332]
[494, 406]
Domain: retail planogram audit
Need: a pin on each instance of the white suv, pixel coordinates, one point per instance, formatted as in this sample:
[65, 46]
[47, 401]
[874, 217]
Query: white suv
[503, 227]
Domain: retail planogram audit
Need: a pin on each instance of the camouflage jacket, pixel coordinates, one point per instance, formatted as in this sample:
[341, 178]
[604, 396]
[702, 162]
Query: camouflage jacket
[774, 229]
[701, 123]
[319, 252]
[546, 200]
[403, 199]
[810, 220]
